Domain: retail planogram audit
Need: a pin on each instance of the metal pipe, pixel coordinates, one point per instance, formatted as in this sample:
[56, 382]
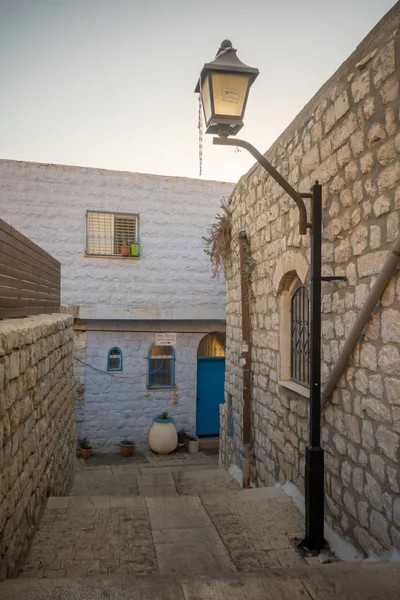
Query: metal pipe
[246, 359]
[225, 141]
[365, 313]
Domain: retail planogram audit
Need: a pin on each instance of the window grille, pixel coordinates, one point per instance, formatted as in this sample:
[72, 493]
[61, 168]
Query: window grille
[300, 337]
[161, 367]
[212, 345]
[114, 360]
[112, 234]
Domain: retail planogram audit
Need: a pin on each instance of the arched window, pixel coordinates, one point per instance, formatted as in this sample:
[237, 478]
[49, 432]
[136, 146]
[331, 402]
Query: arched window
[161, 367]
[212, 345]
[300, 336]
[114, 360]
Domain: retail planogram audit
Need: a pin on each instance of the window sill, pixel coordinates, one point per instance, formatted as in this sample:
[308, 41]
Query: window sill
[112, 256]
[160, 389]
[295, 387]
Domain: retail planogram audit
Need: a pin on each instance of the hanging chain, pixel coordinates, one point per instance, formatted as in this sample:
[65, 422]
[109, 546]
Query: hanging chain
[200, 128]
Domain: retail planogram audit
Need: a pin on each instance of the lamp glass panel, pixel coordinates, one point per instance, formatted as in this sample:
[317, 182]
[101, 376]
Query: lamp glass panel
[206, 98]
[229, 93]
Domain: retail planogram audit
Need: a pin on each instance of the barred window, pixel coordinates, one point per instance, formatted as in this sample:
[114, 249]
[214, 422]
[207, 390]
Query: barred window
[300, 336]
[114, 360]
[161, 367]
[112, 234]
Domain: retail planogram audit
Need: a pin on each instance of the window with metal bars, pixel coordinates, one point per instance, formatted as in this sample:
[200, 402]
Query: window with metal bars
[300, 336]
[161, 367]
[114, 360]
[112, 234]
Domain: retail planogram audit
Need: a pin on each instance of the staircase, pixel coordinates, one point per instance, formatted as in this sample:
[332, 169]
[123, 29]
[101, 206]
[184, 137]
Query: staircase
[178, 528]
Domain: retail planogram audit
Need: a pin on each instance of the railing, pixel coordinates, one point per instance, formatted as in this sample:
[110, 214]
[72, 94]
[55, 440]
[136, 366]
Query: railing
[30, 279]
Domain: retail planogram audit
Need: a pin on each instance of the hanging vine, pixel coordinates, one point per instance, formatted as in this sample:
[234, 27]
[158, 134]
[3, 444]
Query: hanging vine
[217, 241]
[249, 266]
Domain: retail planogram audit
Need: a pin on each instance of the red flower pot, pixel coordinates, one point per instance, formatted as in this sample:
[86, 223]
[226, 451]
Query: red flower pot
[86, 452]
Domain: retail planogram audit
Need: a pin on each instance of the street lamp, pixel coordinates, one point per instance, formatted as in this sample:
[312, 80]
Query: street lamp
[224, 85]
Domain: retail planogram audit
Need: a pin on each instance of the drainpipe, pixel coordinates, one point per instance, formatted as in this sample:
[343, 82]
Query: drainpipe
[245, 360]
[376, 292]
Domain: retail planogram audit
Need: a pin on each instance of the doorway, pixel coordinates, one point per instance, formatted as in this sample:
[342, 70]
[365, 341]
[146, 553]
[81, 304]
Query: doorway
[210, 383]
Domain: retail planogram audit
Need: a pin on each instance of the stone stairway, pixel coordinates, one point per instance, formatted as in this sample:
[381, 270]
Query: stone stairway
[177, 528]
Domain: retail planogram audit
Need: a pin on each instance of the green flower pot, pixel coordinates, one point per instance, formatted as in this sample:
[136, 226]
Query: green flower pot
[134, 249]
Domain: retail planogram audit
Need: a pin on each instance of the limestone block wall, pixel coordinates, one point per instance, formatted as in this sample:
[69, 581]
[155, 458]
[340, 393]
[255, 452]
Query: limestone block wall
[120, 405]
[37, 424]
[172, 277]
[347, 137]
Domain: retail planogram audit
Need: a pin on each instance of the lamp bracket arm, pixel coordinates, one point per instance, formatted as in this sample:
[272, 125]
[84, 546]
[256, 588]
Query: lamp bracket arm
[225, 141]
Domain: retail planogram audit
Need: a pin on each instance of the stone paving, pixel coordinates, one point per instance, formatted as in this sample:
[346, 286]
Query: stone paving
[173, 515]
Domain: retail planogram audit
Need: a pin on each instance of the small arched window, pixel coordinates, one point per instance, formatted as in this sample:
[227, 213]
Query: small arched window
[300, 336]
[161, 367]
[114, 360]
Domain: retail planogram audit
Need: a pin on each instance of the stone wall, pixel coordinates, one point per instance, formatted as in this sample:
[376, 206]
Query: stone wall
[120, 405]
[348, 138]
[37, 424]
[172, 277]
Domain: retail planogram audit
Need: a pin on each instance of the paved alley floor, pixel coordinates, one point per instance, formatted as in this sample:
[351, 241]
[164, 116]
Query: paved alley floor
[175, 515]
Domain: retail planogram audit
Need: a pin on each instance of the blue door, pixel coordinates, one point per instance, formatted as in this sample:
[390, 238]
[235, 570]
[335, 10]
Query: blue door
[210, 394]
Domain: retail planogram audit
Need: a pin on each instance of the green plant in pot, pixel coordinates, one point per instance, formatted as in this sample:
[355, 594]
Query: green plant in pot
[127, 447]
[193, 443]
[124, 248]
[181, 436]
[163, 438]
[134, 249]
[86, 448]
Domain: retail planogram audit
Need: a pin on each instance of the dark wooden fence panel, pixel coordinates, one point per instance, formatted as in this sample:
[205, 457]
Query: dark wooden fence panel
[30, 278]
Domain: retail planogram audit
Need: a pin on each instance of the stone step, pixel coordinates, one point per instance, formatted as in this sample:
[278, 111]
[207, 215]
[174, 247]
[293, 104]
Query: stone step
[347, 581]
[157, 481]
[209, 443]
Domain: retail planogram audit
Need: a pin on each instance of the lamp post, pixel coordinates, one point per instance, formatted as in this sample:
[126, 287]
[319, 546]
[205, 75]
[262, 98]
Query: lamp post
[224, 86]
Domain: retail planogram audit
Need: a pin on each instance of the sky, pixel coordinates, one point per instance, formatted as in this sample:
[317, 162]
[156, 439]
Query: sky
[110, 83]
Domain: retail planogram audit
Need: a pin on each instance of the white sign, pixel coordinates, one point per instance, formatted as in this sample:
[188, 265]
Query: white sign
[165, 339]
[230, 95]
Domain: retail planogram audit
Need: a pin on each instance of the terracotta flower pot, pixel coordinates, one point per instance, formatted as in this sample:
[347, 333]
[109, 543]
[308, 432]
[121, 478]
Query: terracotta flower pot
[163, 438]
[124, 250]
[86, 452]
[126, 449]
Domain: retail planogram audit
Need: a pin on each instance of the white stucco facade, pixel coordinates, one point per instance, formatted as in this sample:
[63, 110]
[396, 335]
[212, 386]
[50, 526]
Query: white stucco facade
[120, 405]
[124, 301]
[171, 279]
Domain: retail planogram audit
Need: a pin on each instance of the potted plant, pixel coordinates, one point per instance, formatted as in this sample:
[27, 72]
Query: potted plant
[134, 249]
[193, 443]
[86, 448]
[124, 249]
[163, 438]
[126, 448]
[181, 436]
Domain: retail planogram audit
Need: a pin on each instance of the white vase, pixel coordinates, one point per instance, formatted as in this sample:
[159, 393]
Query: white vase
[193, 445]
[163, 438]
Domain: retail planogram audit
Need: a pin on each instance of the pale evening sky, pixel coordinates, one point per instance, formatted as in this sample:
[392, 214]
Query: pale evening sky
[109, 83]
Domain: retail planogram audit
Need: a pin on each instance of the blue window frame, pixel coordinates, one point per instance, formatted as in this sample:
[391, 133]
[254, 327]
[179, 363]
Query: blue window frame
[114, 360]
[161, 367]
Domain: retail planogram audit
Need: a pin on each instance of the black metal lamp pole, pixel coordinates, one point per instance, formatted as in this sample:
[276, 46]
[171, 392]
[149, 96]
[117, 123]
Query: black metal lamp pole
[314, 474]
